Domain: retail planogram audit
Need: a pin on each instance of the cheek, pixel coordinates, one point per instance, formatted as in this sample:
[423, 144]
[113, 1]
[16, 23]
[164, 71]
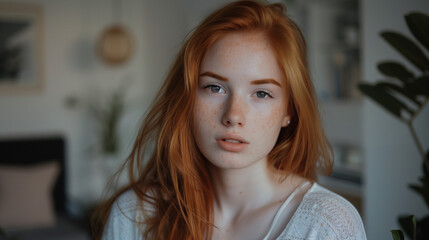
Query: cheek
[270, 120]
[205, 115]
[278, 114]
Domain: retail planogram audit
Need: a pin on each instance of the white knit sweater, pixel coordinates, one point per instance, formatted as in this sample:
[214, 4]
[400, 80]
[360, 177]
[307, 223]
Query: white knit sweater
[321, 214]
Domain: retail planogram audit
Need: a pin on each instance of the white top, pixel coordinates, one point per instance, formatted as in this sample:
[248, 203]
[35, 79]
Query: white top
[321, 214]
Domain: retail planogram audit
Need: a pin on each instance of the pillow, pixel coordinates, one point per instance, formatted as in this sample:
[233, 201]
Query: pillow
[26, 195]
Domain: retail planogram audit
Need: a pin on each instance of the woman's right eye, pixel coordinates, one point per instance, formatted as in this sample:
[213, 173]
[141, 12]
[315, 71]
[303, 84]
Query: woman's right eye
[215, 89]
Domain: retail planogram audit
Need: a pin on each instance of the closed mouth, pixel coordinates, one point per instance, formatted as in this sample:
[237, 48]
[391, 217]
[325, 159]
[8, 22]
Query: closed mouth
[232, 141]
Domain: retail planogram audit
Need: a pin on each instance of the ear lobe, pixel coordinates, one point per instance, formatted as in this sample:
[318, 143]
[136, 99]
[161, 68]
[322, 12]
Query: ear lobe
[286, 121]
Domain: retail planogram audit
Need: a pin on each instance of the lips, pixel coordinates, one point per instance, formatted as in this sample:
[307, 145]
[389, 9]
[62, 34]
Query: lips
[232, 143]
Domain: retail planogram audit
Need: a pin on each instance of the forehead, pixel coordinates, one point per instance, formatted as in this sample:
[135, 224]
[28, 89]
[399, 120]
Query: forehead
[254, 39]
[232, 43]
[246, 53]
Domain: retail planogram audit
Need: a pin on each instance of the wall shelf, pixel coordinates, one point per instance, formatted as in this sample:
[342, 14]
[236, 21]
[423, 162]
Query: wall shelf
[332, 29]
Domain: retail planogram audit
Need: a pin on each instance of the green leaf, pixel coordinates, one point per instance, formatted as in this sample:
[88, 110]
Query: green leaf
[418, 23]
[425, 170]
[425, 160]
[422, 190]
[404, 91]
[408, 224]
[407, 48]
[422, 84]
[395, 70]
[71, 101]
[385, 99]
[397, 235]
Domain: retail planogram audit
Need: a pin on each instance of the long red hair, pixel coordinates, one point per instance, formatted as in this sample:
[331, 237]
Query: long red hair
[166, 170]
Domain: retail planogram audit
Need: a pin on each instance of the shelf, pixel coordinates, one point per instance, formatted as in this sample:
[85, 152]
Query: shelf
[332, 32]
[342, 122]
[341, 185]
[351, 191]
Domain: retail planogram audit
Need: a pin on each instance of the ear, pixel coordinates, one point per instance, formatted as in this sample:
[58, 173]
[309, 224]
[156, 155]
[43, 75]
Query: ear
[286, 120]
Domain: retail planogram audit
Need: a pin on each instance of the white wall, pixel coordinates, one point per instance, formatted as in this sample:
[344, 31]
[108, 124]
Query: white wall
[71, 29]
[392, 161]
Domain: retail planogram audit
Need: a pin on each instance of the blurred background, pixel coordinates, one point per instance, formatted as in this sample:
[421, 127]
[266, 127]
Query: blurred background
[79, 75]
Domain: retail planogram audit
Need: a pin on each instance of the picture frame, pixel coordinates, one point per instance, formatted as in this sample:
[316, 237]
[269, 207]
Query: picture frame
[21, 48]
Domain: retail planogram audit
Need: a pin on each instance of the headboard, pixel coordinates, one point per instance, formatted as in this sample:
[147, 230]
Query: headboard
[34, 150]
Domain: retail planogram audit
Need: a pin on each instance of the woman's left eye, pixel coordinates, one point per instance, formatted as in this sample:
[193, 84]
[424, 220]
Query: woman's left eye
[263, 94]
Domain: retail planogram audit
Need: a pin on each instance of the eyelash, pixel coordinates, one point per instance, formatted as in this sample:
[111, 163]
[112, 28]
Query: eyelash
[264, 92]
[212, 86]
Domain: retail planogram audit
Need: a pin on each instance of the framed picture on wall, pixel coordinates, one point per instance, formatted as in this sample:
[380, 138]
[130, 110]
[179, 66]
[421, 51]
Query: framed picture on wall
[21, 48]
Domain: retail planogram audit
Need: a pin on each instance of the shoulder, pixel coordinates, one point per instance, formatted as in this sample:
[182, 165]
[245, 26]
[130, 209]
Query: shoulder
[325, 214]
[126, 204]
[124, 217]
[326, 203]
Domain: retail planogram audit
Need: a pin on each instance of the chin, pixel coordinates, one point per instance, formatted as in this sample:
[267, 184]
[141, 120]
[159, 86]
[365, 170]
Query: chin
[230, 162]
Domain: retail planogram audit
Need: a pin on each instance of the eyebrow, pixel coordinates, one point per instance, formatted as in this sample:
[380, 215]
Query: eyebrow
[214, 75]
[266, 81]
[254, 82]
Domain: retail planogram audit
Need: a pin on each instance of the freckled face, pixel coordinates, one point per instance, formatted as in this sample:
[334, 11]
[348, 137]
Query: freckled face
[240, 103]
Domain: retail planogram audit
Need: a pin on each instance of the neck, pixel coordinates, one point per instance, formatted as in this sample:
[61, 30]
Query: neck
[238, 190]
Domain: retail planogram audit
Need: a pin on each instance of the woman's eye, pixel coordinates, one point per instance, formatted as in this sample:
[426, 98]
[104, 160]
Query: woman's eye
[262, 94]
[215, 89]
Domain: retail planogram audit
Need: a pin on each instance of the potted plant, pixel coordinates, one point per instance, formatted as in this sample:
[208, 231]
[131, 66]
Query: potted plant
[106, 111]
[405, 94]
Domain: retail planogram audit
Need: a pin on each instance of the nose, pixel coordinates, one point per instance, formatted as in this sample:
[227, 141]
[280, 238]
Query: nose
[233, 114]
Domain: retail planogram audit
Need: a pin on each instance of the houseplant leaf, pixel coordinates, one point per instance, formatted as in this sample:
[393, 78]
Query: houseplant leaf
[426, 160]
[422, 83]
[422, 226]
[422, 190]
[418, 23]
[395, 70]
[408, 223]
[384, 98]
[412, 88]
[407, 48]
[410, 93]
[397, 235]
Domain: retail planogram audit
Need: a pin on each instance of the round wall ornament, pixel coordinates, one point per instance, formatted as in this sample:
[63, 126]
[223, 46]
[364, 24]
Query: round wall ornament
[115, 45]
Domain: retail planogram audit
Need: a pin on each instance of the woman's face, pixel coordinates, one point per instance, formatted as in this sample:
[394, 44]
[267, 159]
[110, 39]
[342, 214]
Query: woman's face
[240, 102]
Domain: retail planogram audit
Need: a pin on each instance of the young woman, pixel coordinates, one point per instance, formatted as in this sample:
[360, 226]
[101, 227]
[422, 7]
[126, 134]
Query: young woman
[233, 141]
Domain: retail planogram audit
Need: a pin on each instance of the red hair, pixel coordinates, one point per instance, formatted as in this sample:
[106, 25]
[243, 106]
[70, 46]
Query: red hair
[174, 181]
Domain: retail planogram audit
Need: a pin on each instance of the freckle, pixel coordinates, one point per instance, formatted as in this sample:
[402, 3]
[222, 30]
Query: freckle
[241, 192]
